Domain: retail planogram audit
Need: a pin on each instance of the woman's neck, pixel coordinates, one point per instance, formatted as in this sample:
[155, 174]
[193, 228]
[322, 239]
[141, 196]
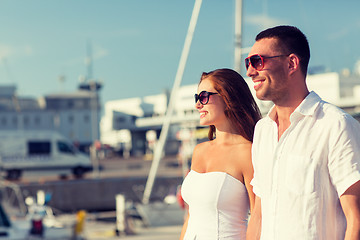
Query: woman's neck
[229, 137]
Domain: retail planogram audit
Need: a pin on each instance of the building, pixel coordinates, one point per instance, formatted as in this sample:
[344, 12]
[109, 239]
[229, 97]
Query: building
[342, 90]
[75, 115]
[133, 125]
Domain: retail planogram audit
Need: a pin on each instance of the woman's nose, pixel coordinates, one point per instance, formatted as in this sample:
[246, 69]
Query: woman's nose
[198, 105]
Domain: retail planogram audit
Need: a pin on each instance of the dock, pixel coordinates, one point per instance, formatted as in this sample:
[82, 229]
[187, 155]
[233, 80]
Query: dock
[97, 192]
[96, 195]
[104, 231]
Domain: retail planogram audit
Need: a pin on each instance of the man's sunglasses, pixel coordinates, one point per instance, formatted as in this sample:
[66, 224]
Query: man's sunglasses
[257, 61]
[203, 97]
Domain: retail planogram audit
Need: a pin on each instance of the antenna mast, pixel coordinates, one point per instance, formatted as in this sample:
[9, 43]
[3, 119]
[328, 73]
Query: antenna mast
[238, 36]
[88, 62]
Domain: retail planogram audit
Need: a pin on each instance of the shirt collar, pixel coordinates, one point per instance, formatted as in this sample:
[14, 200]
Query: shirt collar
[309, 104]
[306, 107]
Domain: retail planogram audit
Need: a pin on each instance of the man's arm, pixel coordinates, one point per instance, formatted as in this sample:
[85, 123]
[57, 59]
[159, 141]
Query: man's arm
[350, 203]
[254, 226]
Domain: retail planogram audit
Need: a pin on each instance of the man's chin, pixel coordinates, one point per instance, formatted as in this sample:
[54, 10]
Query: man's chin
[261, 96]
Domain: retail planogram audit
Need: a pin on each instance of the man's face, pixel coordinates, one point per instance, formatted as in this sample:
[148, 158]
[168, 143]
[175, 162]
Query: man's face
[271, 82]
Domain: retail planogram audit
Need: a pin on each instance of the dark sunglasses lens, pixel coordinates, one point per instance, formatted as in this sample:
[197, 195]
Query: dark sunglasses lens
[203, 97]
[247, 63]
[256, 62]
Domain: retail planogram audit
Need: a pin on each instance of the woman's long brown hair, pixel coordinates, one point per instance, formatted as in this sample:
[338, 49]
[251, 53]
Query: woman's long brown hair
[241, 108]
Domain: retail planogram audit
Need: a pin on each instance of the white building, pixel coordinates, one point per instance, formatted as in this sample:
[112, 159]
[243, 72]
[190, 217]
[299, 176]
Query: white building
[75, 115]
[126, 121]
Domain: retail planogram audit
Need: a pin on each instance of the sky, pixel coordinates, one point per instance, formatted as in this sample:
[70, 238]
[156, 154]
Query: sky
[136, 44]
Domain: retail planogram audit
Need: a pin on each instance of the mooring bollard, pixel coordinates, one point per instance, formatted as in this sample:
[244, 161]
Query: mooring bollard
[40, 197]
[80, 222]
[120, 214]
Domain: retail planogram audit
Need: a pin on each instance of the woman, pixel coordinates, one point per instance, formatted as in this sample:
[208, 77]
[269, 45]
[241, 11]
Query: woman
[217, 188]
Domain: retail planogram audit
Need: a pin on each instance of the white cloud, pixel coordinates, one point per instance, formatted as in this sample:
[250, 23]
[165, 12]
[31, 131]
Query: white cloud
[100, 52]
[263, 21]
[28, 50]
[339, 34]
[7, 51]
[344, 32]
[126, 32]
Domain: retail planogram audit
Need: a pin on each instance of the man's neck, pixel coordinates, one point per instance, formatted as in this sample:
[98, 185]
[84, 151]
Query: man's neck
[284, 111]
[283, 119]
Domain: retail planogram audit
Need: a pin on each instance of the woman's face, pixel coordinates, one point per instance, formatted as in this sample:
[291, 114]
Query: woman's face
[211, 113]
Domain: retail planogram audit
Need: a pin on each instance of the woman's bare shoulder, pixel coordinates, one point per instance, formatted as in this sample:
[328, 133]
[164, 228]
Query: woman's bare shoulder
[245, 147]
[202, 146]
[199, 152]
[242, 154]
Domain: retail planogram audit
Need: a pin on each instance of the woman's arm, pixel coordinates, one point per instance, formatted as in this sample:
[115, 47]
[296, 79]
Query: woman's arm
[183, 231]
[254, 225]
[248, 174]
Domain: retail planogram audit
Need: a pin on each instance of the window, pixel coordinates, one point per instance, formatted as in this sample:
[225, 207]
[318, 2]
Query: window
[37, 121]
[65, 147]
[78, 103]
[71, 119]
[56, 120]
[86, 118]
[86, 103]
[53, 104]
[120, 120]
[39, 147]
[26, 120]
[70, 104]
[15, 121]
[3, 121]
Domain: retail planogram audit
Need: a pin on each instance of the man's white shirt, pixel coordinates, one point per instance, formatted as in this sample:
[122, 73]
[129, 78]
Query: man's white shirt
[301, 176]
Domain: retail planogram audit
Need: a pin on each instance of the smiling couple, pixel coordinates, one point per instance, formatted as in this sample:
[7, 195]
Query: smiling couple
[296, 171]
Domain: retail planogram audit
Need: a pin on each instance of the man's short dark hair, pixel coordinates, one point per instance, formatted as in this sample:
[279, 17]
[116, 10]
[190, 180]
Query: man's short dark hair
[291, 40]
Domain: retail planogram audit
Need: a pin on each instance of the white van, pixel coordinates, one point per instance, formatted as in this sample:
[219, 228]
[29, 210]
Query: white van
[40, 151]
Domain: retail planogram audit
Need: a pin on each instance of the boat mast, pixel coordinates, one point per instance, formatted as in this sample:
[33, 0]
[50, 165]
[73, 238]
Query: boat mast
[166, 124]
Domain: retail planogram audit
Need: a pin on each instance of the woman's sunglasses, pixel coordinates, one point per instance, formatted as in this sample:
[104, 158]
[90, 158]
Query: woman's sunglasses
[203, 97]
[257, 61]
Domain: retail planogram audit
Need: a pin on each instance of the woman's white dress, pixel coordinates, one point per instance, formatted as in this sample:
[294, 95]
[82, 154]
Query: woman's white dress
[218, 206]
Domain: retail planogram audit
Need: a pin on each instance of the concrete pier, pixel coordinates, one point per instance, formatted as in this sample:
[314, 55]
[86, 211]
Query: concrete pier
[99, 194]
[127, 177]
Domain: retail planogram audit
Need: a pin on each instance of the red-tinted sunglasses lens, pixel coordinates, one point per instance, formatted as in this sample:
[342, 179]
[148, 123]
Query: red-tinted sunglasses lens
[256, 62]
[247, 63]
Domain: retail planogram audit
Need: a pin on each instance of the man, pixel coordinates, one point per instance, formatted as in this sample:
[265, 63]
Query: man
[306, 152]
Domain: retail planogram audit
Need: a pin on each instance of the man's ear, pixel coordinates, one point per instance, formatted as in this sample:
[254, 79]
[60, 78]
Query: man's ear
[294, 63]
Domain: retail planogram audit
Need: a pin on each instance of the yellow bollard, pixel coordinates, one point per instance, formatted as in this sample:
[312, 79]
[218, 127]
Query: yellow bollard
[80, 222]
